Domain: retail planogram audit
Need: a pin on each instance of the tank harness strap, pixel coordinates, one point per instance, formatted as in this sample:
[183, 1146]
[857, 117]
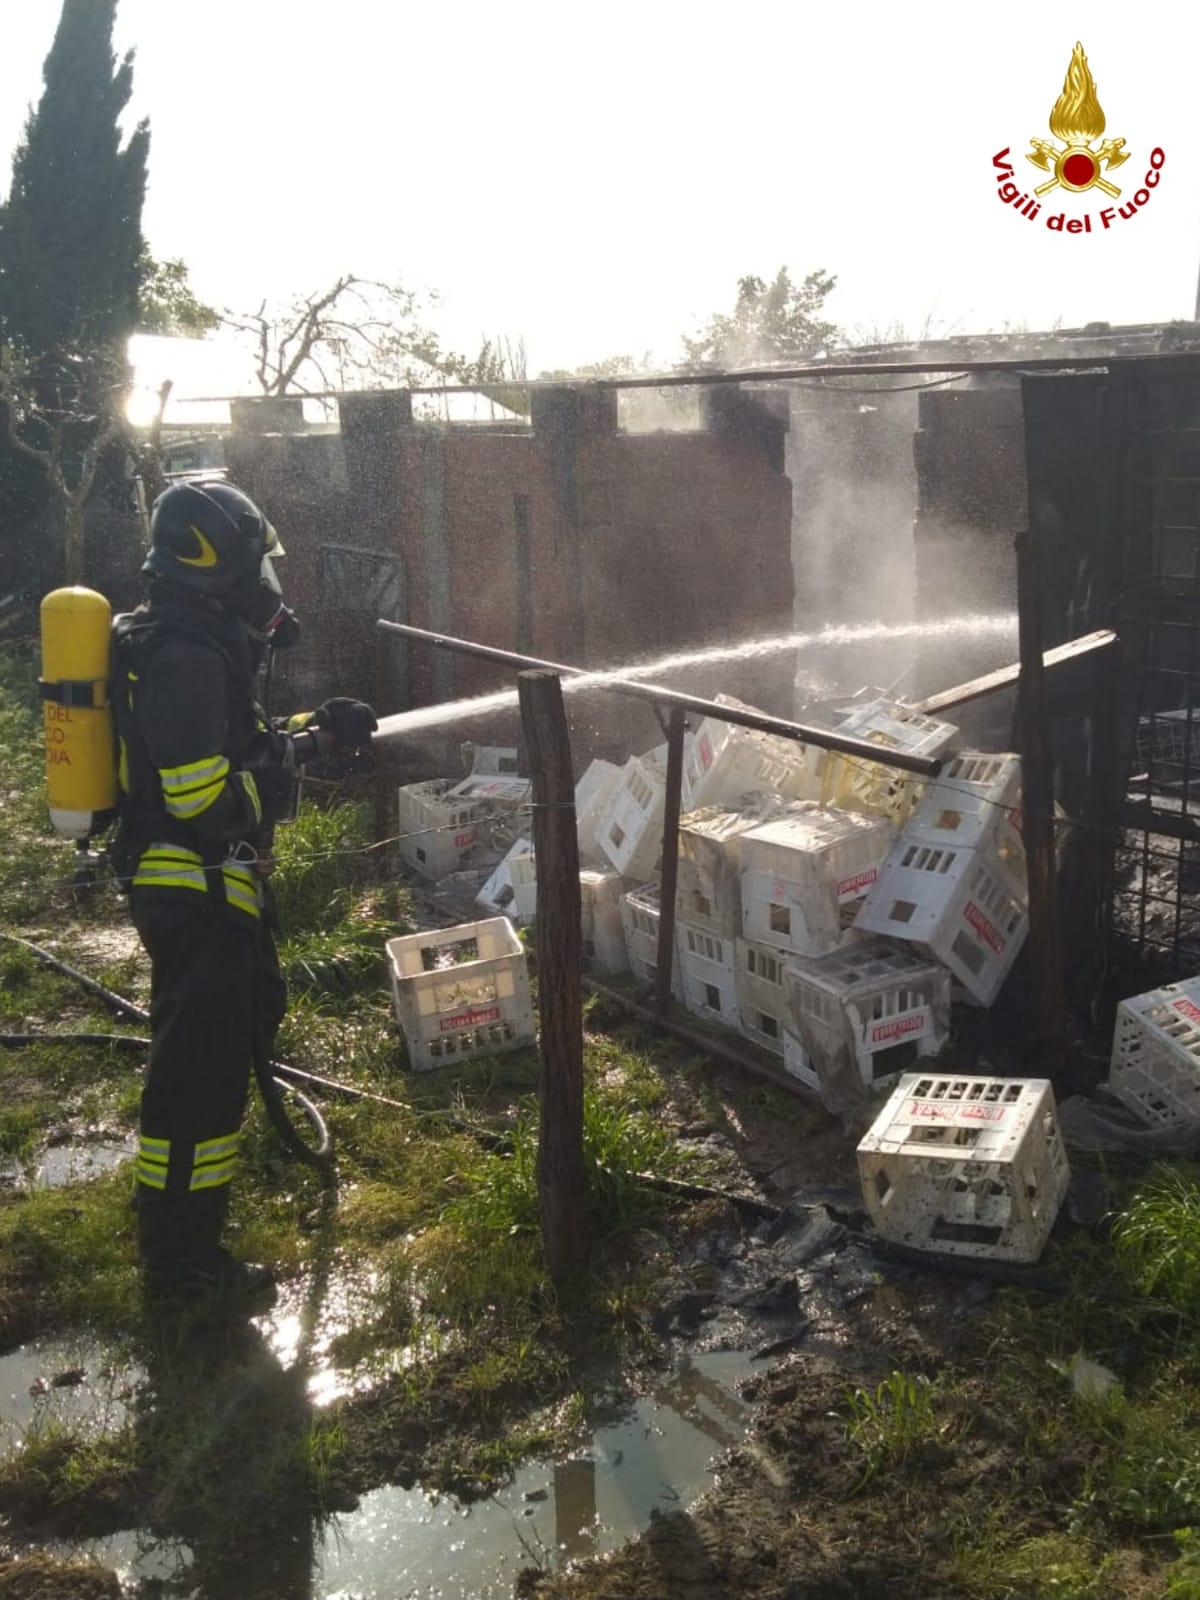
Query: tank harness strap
[89, 692]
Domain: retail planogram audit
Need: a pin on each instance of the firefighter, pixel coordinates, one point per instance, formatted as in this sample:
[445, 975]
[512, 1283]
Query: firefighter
[203, 778]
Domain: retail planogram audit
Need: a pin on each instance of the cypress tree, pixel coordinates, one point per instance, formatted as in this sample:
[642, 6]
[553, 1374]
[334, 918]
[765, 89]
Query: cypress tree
[71, 228]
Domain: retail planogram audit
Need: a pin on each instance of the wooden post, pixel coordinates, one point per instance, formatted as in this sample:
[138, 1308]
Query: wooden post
[1037, 819]
[669, 876]
[561, 1189]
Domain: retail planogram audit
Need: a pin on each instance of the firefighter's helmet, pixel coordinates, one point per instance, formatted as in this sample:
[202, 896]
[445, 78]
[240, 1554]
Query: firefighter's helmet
[209, 536]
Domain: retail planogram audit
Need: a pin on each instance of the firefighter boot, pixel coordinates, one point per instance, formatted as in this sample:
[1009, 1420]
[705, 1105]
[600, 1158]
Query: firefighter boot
[183, 1259]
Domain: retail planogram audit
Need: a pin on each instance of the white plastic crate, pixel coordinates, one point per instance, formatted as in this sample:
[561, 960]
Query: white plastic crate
[1155, 1066]
[858, 785]
[512, 888]
[709, 884]
[974, 798]
[639, 919]
[603, 936]
[866, 1014]
[439, 832]
[726, 761]
[804, 871]
[498, 760]
[593, 795]
[967, 1166]
[761, 993]
[630, 831]
[461, 992]
[706, 974]
[962, 906]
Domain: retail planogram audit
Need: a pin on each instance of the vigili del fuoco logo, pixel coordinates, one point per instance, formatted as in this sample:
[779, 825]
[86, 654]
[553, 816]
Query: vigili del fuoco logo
[1078, 159]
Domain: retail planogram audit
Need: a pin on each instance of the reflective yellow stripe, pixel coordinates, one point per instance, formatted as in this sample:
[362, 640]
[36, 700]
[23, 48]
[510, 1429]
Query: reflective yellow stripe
[156, 871]
[152, 1177]
[172, 852]
[250, 789]
[211, 1177]
[241, 889]
[170, 866]
[210, 1149]
[194, 774]
[150, 1146]
[191, 805]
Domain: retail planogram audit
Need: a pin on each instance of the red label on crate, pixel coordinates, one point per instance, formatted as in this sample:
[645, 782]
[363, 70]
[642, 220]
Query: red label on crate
[705, 751]
[947, 1110]
[899, 1028]
[856, 884]
[983, 927]
[469, 1019]
[977, 1113]
[931, 1110]
[1186, 1009]
[462, 840]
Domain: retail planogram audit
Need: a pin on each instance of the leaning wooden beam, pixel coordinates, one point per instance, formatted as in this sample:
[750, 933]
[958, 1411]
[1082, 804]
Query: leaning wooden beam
[976, 688]
[822, 738]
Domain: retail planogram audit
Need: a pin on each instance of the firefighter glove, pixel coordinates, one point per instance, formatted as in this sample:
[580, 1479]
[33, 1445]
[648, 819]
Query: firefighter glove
[351, 722]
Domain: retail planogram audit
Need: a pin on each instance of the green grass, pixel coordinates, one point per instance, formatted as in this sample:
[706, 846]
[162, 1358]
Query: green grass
[34, 864]
[66, 1258]
[1157, 1238]
[892, 1424]
[1053, 1566]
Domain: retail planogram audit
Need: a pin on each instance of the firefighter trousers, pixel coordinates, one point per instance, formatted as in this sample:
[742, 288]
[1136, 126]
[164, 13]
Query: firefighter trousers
[217, 999]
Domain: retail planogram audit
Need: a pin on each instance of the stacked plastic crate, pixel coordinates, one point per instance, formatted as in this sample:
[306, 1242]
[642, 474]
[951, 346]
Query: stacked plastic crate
[512, 888]
[864, 1015]
[850, 783]
[955, 883]
[709, 903]
[804, 873]
[445, 827]
[600, 894]
[640, 911]
[630, 828]
[726, 761]
[593, 795]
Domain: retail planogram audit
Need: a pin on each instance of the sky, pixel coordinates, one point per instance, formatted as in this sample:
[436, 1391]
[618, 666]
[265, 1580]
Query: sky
[595, 179]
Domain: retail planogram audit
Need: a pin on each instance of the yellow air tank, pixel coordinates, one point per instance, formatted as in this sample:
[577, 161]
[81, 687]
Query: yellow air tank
[81, 773]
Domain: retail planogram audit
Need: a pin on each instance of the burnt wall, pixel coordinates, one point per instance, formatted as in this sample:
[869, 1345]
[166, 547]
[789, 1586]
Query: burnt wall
[568, 540]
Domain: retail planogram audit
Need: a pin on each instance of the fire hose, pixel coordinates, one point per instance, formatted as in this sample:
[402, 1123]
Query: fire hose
[273, 1077]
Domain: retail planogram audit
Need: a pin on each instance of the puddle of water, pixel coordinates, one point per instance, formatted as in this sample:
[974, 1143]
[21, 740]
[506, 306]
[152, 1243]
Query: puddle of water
[286, 1329]
[61, 1164]
[29, 1397]
[405, 1544]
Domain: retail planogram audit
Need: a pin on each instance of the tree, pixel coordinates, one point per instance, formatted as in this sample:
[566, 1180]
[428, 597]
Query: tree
[70, 253]
[771, 322]
[167, 303]
[70, 230]
[358, 333]
[46, 422]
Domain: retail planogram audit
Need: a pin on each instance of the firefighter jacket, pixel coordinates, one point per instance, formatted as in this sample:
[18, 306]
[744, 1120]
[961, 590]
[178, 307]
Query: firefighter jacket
[191, 810]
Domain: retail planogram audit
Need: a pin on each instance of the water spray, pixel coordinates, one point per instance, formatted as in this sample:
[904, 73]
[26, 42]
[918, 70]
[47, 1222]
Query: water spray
[576, 680]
